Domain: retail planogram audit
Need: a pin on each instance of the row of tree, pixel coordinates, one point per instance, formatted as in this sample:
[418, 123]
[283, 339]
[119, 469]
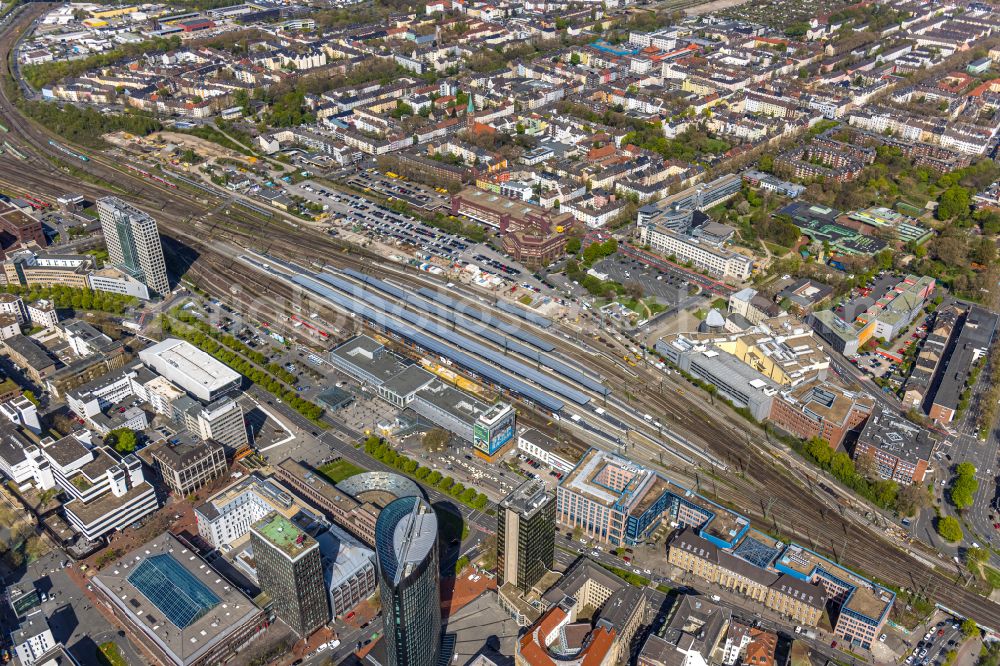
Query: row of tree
[379, 450]
[245, 367]
[78, 299]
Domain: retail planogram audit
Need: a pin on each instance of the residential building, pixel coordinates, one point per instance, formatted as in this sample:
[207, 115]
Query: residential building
[290, 570]
[893, 447]
[133, 242]
[408, 575]
[972, 344]
[187, 466]
[918, 386]
[525, 535]
[186, 613]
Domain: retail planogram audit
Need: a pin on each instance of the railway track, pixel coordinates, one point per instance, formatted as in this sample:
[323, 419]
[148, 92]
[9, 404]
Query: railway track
[197, 231]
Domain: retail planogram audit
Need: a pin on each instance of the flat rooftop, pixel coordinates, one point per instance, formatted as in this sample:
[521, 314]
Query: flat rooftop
[105, 505]
[176, 599]
[868, 599]
[897, 436]
[527, 498]
[284, 535]
[192, 362]
[266, 489]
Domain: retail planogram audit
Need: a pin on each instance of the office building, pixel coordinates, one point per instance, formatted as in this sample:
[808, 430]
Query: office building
[735, 380]
[222, 421]
[32, 639]
[30, 357]
[693, 635]
[893, 447]
[525, 535]
[704, 255]
[615, 500]
[348, 569]
[23, 228]
[186, 465]
[290, 570]
[21, 459]
[186, 613]
[546, 450]
[356, 516]
[192, 369]
[819, 408]
[561, 636]
[745, 570]
[858, 607]
[133, 242]
[409, 584]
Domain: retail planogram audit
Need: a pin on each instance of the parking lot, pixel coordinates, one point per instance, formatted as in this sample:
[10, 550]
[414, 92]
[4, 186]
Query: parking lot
[414, 238]
[940, 638]
[665, 288]
[412, 193]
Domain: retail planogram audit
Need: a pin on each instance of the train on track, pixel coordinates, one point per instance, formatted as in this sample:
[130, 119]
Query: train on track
[14, 151]
[36, 203]
[150, 176]
[64, 149]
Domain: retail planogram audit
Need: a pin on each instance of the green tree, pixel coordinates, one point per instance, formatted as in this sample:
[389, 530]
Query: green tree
[949, 529]
[953, 202]
[123, 440]
[969, 627]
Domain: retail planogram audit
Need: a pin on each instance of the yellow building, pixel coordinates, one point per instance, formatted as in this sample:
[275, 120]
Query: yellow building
[801, 602]
[112, 13]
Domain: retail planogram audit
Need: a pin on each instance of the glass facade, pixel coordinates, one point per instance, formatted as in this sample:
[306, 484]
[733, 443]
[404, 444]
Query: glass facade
[409, 582]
